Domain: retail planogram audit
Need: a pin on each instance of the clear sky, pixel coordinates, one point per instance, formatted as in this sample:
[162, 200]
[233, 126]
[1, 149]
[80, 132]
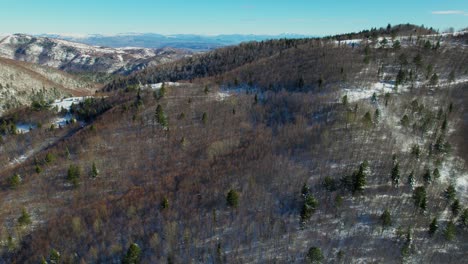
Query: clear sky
[312, 17]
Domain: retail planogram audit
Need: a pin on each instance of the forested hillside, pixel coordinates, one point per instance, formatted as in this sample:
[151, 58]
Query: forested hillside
[284, 151]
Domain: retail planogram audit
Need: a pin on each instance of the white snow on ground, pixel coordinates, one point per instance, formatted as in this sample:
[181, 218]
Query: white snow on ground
[21, 158]
[67, 103]
[157, 86]
[221, 96]
[23, 128]
[356, 94]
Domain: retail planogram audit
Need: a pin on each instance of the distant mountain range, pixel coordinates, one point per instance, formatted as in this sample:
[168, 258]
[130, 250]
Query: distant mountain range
[156, 41]
[71, 56]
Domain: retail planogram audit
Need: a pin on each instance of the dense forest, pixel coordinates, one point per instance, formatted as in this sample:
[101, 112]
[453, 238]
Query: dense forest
[283, 151]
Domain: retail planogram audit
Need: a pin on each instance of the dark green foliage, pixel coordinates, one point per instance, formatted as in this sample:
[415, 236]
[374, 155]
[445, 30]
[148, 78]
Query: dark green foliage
[160, 116]
[94, 171]
[133, 255]
[405, 122]
[344, 100]
[455, 207]
[450, 231]
[330, 184]
[464, 218]
[427, 45]
[367, 119]
[411, 179]
[90, 108]
[73, 175]
[309, 204]
[433, 227]
[420, 198]
[450, 193]
[401, 77]
[314, 255]
[15, 181]
[49, 158]
[436, 174]
[396, 45]
[164, 203]
[25, 218]
[434, 79]
[359, 178]
[204, 118]
[54, 256]
[396, 174]
[232, 199]
[416, 151]
[377, 116]
[38, 169]
[427, 176]
[386, 219]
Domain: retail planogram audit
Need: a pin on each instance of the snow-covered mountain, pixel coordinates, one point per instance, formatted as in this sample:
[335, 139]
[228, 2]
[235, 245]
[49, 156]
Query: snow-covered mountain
[22, 82]
[77, 57]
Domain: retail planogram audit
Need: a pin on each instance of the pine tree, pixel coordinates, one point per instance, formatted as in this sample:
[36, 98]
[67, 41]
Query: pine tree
[344, 100]
[436, 174]
[433, 227]
[232, 198]
[54, 256]
[377, 116]
[427, 176]
[434, 79]
[397, 45]
[160, 116]
[359, 178]
[450, 231]
[25, 218]
[420, 197]
[204, 118]
[133, 255]
[386, 219]
[164, 203]
[464, 218]
[94, 171]
[455, 207]
[15, 181]
[411, 180]
[396, 174]
[314, 255]
[73, 175]
[450, 193]
[405, 121]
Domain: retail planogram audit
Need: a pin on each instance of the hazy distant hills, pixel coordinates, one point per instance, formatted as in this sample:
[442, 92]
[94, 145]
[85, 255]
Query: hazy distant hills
[180, 41]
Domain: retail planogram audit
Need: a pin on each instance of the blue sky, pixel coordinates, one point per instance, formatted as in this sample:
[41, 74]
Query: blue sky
[208, 17]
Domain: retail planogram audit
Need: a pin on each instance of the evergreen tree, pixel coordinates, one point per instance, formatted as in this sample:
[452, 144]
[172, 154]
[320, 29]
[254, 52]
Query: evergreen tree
[367, 119]
[160, 116]
[386, 219]
[433, 227]
[427, 176]
[396, 174]
[164, 203]
[420, 197]
[450, 193]
[232, 198]
[405, 122]
[73, 175]
[314, 255]
[204, 118]
[309, 204]
[133, 255]
[397, 45]
[377, 116]
[54, 256]
[434, 79]
[455, 207]
[15, 181]
[464, 218]
[436, 174]
[451, 77]
[450, 231]
[344, 100]
[25, 218]
[49, 158]
[411, 180]
[94, 171]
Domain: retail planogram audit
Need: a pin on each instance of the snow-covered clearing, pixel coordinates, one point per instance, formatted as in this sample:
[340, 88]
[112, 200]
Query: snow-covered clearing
[379, 88]
[67, 103]
[157, 86]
